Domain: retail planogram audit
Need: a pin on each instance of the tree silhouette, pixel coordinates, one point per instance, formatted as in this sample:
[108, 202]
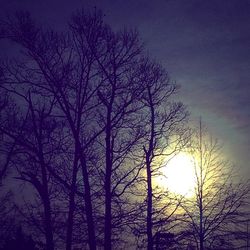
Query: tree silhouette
[51, 59]
[219, 199]
[80, 95]
[162, 122]
[86, 122]
[27, 133]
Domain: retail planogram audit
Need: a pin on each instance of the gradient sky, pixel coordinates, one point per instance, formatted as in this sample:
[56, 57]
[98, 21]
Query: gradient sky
[204, 45]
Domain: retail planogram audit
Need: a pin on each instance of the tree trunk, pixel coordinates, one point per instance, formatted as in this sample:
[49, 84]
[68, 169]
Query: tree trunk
[201, 238]
[201, 233]
[47, 208]
[108, 215]
[149, 207]
[149, 156]
[48, 225]
[70, 221]
[88, 205]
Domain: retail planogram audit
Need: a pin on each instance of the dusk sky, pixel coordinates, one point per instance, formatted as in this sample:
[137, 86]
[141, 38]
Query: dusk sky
[204, 45]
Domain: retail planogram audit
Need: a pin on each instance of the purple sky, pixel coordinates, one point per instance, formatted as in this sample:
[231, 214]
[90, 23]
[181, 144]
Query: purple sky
[204, 45]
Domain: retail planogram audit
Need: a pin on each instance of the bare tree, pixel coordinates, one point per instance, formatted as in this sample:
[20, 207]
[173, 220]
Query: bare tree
[118, 97]
[61, 69]
[219, 197]
[164, 121]
[88, 102]
[31, 134]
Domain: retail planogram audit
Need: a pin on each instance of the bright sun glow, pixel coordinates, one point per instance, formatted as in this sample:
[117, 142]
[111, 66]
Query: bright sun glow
[180, 175]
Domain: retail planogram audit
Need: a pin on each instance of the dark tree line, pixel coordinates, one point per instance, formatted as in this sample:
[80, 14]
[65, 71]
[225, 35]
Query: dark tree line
[87, 119]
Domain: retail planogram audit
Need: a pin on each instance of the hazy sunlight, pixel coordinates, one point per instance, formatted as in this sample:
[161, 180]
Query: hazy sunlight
[180, 175]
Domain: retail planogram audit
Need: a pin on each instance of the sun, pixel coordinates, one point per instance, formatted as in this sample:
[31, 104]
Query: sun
[179, 174]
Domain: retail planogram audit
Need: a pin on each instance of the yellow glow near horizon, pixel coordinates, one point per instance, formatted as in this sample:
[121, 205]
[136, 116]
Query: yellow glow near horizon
[180, 175]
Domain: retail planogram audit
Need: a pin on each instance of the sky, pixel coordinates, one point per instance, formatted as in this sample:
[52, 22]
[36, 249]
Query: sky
[204, 45]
